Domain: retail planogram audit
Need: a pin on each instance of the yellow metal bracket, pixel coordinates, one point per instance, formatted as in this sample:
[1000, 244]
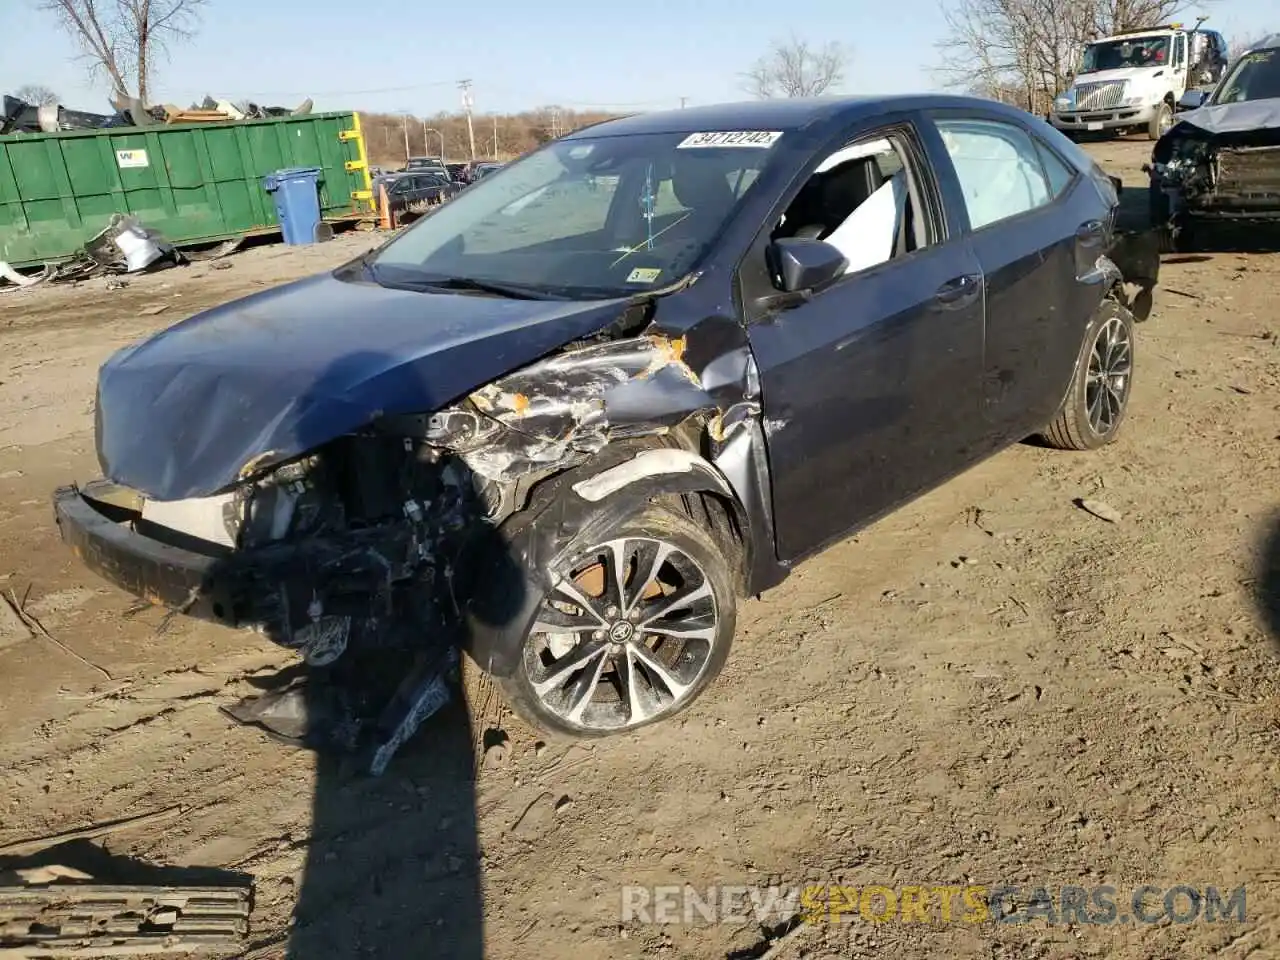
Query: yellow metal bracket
[361, 163]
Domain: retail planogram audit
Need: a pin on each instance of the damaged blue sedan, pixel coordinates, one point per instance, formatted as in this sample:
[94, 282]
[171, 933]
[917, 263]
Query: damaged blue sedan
[566, 421]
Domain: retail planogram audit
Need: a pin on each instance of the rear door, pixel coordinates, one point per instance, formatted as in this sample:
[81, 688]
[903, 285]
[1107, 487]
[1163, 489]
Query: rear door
[1028, 236]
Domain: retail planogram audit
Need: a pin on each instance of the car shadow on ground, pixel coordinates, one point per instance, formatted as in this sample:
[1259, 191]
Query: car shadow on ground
[393, 864]
[1267, 583]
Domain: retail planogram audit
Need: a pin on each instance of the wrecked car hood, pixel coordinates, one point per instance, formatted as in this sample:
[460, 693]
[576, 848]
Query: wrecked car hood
[260, 380]
[1233, 117]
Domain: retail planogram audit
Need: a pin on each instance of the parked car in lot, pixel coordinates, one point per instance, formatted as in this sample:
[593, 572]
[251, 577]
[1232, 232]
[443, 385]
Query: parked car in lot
[411, 194]
[1219, 166]
[427, 165]
[569, 419]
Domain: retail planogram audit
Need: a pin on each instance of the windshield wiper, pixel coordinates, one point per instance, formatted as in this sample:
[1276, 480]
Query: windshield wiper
[515, 291]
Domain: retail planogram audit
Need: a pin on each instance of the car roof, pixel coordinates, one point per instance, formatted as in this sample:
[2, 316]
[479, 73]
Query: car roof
[781, 114]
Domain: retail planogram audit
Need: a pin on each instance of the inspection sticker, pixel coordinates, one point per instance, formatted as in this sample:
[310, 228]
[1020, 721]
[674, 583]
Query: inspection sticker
[132, 158]
[643, 275]
[731, 138]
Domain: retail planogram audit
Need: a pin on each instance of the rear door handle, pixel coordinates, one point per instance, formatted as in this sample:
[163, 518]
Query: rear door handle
[958, 289]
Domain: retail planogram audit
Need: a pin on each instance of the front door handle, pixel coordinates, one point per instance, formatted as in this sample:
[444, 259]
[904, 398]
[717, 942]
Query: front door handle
[961, 288]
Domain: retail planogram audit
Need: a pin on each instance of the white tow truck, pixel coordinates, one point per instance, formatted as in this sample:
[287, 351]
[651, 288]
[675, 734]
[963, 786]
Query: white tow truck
[1137, 78]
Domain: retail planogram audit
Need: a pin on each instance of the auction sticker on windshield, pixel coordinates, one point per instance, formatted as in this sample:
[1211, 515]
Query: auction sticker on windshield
[643, 275]
[731, 138]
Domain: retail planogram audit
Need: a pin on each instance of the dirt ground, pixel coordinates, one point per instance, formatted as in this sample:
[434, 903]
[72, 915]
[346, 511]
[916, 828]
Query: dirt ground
[991, 686]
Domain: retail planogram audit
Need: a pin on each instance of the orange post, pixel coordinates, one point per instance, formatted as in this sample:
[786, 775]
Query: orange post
[384, 207]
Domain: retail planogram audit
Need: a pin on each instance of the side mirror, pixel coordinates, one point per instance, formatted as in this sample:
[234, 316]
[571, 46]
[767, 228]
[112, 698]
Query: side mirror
[805, 264]
[1192, 100]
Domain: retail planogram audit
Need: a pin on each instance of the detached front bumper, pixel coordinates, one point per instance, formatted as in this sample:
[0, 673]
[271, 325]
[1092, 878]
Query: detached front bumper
[1096, 120]
[99, 522]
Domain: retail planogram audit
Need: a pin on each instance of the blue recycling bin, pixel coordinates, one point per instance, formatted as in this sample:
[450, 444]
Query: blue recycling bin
[297, 195]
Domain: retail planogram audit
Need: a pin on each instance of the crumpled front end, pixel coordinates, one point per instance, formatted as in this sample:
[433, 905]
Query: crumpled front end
[1231, 178]
[359, 554]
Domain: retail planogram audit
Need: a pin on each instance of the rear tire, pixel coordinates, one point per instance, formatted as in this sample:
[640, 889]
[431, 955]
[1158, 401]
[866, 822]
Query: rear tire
[1098, 398]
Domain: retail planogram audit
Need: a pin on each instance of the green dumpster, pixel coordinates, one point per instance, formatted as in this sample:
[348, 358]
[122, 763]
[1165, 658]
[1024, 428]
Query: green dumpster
[192, 182]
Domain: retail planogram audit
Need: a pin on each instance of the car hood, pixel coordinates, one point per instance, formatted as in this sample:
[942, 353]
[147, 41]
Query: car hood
[1233, 117]
[258, 381]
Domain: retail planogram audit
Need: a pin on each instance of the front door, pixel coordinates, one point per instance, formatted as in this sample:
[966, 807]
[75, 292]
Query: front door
[871, 388]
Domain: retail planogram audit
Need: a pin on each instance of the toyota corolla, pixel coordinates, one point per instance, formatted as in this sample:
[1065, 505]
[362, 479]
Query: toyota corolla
[566, 421]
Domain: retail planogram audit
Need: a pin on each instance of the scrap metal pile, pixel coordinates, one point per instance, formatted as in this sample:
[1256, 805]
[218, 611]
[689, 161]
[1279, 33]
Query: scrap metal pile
[18, 116]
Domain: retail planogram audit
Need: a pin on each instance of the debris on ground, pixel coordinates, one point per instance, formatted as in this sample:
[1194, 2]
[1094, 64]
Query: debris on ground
[19, 280]
[1103, 511]
[124, 246]
[78, 900]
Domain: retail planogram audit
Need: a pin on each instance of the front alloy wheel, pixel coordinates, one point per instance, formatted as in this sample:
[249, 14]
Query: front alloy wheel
[635, 626]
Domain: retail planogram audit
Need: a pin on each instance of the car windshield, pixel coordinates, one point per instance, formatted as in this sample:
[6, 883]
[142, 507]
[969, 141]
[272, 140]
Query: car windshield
[1117, 54]
[590, 217]
[1256, 77]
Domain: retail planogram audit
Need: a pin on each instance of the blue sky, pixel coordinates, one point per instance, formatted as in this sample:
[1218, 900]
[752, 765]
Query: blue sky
[376, 55]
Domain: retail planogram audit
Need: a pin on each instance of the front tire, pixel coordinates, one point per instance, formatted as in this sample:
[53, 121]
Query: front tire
[1161, 121]
[1098, 398]
[639, 622]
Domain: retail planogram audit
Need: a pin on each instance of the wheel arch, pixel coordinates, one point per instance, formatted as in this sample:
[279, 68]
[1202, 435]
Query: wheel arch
[507, 583]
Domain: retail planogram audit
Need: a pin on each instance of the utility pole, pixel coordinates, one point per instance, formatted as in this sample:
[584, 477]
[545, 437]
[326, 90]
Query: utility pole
[406, 138]
[495, 136]
[555, 123]
[425, 131]
[467, 103]
[683, 101]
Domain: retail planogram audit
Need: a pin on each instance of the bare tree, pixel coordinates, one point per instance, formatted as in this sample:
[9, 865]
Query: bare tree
[36, 94]
[795, 69]
[122, 39]
[1024, 51]
[1242, 44]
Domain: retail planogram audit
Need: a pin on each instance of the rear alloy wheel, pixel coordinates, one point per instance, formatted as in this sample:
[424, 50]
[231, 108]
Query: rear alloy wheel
[1098, 397]
[638, 623]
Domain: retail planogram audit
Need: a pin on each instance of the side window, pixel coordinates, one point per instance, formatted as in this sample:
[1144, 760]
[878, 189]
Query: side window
[998, 167]
[863, 200]
[1056, 171]
[1179, 50]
